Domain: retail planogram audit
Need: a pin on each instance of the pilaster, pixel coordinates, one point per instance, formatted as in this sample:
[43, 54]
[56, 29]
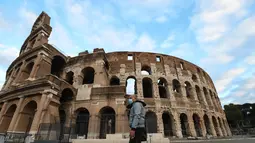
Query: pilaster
[3, 110]
[213, 131]
[14, 121]
[36, 66]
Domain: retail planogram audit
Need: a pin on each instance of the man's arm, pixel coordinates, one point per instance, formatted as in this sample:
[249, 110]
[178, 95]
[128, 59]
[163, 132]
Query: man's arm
[137, 113]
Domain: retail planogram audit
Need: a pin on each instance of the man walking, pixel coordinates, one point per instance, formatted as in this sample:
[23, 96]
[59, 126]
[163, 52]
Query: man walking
[136, 120]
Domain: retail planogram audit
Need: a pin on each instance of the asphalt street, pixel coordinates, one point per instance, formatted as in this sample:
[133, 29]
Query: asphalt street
[237, 140]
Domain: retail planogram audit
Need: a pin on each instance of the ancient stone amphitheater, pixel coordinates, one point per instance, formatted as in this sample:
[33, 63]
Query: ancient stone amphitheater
[52, 95]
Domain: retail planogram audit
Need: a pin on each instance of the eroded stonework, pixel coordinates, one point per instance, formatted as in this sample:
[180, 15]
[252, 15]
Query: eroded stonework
[45, 87]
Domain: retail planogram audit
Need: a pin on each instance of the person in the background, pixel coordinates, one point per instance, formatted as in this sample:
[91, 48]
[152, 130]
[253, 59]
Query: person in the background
[136, 120]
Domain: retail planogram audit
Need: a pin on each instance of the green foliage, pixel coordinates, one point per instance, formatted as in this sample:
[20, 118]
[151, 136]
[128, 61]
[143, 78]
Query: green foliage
[233, 114]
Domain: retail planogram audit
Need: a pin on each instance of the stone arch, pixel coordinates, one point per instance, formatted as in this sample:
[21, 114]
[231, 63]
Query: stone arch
[151, 122]
[114, 80]
[82, 122]
[88, 75]
[57, 65]
[107, 121]
[194, 78]
[7, 117]
[199, 96]
[147, 88]
[27, 71]
[197, 125]
[146, 70]
[131, 85]
[206, 95]
[176, 86]
[216, 127]
[207, 124]
[168, 122]
[163, 88]
[69, 77]
[67, 95]
[188, 89]
[184, 124]
[26, 117]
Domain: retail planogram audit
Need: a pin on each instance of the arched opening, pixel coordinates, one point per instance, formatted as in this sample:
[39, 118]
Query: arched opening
[163, 88]
[216, 127]
[26, 73]
[188, 89]
[151, 122]
[197, 125]
[184, 124]
[168, 124]
[194, 78]
[198, 91]
[207, 125]
[115, 81]
[147, 88]
[206, 96]
[107, 122]
[6, 118]
[131, 87]
[146, 70]
[57, 65]
[26, 117]
[176, 86]
[88, 75]
[66, 95]
[82, 122]
[69, 77]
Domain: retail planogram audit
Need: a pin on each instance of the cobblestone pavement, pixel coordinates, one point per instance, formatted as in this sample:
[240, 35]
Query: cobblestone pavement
[234, 140]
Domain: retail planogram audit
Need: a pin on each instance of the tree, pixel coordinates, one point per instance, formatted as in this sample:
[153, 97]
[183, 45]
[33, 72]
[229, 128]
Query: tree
[233, 114]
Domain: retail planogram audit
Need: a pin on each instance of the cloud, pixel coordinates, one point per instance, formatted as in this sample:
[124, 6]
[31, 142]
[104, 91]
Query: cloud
[250, 60]
[222, 83]
[168, 42]
[28, 16]
[7, 54]
[185, 51]
[161, 19]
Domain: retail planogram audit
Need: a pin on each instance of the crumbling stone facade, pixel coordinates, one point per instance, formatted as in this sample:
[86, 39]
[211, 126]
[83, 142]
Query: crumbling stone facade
[44, 86]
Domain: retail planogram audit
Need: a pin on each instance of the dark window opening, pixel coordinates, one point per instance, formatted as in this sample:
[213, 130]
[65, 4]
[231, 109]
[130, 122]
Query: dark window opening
[184, 124]
[57, 65]
[168, 124]
[163, 88]
[200, 99]
[197, 125]
[188, 89]
[147, 88]
[82, 122]
[207, 125]
[130, 57]
[107, 122]
[182, 65]
[176, 86]
[115, 81]
[69, 77]
[194, 78]
[158, 58]
[88, 75]
[146, 70]
[131, 87]
[66, 95]
[151, 122]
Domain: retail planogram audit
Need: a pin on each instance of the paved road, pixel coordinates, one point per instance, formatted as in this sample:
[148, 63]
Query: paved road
[239, 140]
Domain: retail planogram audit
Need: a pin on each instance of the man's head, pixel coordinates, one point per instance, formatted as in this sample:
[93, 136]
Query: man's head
[133, 97]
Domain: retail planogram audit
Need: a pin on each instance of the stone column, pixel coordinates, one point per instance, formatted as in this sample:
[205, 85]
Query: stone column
[36, 66]
[139, 85]
[171, 94]
[160, 123]
[92, 129]
[227, 128]
[203, 127]
[177, 124]
[203, 97]
[100, 77]
[219, 128]
[15, 121]
[191, 126]
[213, 131]
[36, 120]
[77, 79]
[3, 110]
[183, 93]
[223, 128]
[155, 89]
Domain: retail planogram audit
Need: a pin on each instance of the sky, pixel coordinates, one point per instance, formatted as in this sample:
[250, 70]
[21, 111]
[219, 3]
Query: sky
[217, 35]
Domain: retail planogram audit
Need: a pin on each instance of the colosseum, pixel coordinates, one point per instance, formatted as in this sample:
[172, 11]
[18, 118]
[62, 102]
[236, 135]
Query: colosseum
[53, 95]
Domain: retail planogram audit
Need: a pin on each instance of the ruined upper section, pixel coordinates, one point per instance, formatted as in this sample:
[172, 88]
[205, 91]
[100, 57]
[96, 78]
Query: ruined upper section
[39, 34]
